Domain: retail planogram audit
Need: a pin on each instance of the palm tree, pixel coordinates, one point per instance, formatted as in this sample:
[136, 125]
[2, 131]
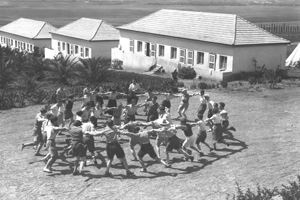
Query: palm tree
[93, 70]
[7, 74]
[36, 66]
[62, 69]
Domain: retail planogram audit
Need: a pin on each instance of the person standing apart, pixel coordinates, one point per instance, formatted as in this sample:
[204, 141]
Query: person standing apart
[133, 90]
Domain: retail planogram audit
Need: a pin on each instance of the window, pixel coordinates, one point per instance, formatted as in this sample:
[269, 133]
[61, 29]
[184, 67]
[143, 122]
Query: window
[87, 51]
[173, 53]
[16, 43]
[212, 59]
[24, 45]
[72, 49]
[31, 47]
[58, 46]
[153, 50]
[200, 58]
[63, 46]
[81, 52]
[68, 48]
[190, 57]
[27, 47]
[139, 46]
[161, 50]
[1, 39]
[11, 42]
[76, 49]
[182, 56]
[131, 46]
[223, 63]
[19, 44]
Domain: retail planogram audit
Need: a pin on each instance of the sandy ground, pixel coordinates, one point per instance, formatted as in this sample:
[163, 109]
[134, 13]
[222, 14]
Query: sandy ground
[264, 150]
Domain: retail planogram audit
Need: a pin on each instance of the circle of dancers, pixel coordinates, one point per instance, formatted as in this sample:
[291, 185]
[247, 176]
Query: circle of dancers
[81, 129]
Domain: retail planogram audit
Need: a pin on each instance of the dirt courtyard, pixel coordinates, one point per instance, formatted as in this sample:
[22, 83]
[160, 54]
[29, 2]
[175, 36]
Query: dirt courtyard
[263, 150]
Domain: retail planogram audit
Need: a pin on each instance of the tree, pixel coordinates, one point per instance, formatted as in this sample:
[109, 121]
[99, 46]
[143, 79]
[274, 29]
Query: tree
[36, 66]
[62, 69]
[7, 74]
[93, 70]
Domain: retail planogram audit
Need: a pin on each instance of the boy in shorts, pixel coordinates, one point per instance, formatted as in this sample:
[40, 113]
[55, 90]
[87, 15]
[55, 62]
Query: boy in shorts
[68, 110]
[52, 131]
[201, 137]
[188, 132]
[133, 141]
[146, 148]
[173, 142]
[113, 147]
[88, 139]
[225, 118]
[37, 132]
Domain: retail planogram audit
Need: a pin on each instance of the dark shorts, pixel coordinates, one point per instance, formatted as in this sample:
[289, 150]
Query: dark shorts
[201, 109]
[68, 114]
[183, 106]
[209, 113]
[38, 138]
[92, 103]
[113, 149]
[217, 132]
[201, 137]
[166, 103]
[110, 104]
[78, 149]
[174, 143]
[36, 131]
[147, 149]
[129, 118]
[89, 143]
[225, 124]
[152, 116]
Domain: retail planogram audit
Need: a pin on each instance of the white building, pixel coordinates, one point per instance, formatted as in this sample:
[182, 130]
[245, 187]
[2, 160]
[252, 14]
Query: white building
[215, 45]
[84, 38]
[27, 35]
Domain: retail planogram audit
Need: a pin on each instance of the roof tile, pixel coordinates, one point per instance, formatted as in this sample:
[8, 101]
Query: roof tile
[89, 29]
[210, 27]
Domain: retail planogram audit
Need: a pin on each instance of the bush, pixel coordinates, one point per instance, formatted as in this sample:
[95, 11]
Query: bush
[193, 86]
[213, 85]
[291, 191]
[186, 72]
[224, 84]
[180, 84]
[252, 80]
[202, 85]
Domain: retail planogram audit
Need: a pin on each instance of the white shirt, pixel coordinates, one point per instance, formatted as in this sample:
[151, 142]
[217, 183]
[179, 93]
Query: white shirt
[134, 87]
[201, 124]
[210, 105]
[87, 127]
[216, 118]
[97, 112]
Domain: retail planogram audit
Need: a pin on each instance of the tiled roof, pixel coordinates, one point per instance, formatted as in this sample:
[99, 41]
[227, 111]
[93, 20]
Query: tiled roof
[29, 28]
[219, 28]
[89, 29]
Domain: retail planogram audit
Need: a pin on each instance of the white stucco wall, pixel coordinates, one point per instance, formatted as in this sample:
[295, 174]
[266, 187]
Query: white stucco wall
[168, 63]
[96, 48]
[270, 55]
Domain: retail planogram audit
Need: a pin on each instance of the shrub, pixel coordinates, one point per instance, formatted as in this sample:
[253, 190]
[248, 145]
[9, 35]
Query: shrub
[193, 86]
[186, 72]
[202, 85]
[213, 85]
[252, 80]
[180, 84]
[224, 84]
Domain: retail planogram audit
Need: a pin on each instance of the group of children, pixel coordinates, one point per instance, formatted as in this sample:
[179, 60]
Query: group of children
[84, 126]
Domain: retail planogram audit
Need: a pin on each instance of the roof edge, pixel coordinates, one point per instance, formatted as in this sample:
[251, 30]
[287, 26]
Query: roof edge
[235, 26]
[96, 31]
[40, 30]
[286, 41]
